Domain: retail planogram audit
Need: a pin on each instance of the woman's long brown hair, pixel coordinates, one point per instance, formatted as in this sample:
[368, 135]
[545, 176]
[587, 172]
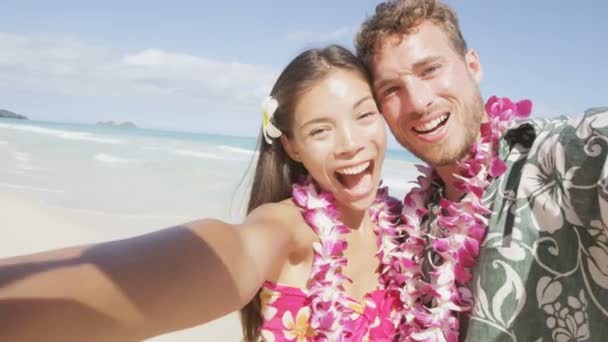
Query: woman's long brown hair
[275, 173]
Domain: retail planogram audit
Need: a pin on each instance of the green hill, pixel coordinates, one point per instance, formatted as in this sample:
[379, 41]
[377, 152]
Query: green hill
[11, 115]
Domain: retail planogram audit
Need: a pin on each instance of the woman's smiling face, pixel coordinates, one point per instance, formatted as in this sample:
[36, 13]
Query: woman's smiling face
[340, 137]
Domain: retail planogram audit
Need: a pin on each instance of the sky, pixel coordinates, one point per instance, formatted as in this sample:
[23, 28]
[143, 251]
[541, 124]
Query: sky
[206, 66]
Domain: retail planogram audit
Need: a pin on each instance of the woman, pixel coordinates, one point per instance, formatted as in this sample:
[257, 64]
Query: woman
[320, 157]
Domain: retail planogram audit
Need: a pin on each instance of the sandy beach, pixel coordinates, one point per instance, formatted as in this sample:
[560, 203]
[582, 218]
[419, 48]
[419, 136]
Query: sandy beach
[28, 225]
[68, 186]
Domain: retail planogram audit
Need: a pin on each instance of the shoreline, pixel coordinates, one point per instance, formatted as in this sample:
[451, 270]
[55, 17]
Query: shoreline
[56, 191]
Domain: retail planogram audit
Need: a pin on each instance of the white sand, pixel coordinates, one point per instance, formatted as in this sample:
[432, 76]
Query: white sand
[28, 225]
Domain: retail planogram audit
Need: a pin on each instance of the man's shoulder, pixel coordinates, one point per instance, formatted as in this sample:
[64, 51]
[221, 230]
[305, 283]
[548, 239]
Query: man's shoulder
[541, 122]
[594, 119]
[594, 111]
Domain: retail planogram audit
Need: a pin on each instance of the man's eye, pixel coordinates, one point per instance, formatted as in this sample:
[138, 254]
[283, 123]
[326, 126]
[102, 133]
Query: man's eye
[390, 90]
[430, 70]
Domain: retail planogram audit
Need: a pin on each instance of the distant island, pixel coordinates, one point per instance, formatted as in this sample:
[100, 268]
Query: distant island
[8, 114]
[126, 124]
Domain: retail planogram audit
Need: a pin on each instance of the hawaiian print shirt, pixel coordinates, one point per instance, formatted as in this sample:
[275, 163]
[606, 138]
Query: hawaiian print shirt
[542, 272]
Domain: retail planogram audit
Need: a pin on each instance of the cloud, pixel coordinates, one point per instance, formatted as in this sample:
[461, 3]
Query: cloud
[67, 67]
[49, 65]
[316, 37]
[197, 76]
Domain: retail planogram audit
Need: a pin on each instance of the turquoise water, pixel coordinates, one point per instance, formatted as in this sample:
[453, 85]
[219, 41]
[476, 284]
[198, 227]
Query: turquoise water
[138, 171]
[245, 143]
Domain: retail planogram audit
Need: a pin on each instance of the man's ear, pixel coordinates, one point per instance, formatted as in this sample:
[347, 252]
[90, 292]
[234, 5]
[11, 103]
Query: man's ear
[289, 147]
[474, 65]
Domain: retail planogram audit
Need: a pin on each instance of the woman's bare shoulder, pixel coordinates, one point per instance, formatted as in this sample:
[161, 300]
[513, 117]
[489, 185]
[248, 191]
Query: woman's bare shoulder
[287, 217]
[283, 212]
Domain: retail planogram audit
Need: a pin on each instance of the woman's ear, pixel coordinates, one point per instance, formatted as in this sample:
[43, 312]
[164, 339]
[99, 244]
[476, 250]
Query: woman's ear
[289, 147]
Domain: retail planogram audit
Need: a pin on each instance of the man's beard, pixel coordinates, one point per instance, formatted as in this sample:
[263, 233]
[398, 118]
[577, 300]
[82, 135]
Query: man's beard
[441, 155]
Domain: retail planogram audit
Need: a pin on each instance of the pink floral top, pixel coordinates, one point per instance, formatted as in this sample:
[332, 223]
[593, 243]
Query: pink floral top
[286, 314]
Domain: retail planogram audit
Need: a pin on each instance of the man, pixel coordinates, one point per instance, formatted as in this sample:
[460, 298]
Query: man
[542, 270]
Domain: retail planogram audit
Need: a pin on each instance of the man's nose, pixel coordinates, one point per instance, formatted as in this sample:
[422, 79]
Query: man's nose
[417, 96]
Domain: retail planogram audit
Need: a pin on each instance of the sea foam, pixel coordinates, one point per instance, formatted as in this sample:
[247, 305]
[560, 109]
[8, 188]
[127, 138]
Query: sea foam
[30, 188]
[110, 159]
[237, 150]
[200, 154]
[63, 134]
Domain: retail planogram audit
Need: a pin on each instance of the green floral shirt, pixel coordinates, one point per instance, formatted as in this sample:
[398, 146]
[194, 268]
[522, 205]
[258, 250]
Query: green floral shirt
[542, 272]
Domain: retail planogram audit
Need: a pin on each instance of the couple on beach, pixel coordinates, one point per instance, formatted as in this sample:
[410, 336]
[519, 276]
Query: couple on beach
[503, 238]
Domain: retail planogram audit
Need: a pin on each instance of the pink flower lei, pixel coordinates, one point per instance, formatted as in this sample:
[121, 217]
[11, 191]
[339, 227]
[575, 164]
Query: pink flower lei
[402, 243]
[464, 224]
[326, 290]
[329, 303]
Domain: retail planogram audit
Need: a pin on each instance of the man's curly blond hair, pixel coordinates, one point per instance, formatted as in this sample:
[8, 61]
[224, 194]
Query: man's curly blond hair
[396, 17]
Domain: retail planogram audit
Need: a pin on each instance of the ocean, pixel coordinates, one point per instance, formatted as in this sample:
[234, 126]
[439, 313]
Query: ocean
[140, 172]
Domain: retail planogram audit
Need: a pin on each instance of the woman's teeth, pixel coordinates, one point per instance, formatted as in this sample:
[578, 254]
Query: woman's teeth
[356, 180]
[431, 125]
[353, 170]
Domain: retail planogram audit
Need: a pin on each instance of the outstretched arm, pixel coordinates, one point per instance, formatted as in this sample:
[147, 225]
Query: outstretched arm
[139, 287]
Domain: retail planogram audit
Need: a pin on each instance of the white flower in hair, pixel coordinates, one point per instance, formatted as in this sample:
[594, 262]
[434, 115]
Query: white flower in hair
[269, 107]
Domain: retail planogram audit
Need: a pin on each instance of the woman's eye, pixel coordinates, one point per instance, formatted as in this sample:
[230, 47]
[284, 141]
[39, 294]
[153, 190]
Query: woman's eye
[317, 132]
[366, 115]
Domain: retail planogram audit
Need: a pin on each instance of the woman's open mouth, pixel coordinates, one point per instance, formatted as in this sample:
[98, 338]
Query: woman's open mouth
[356, 179]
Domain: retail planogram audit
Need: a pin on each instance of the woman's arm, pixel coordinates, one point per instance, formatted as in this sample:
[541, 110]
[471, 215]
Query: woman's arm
[143, 286]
